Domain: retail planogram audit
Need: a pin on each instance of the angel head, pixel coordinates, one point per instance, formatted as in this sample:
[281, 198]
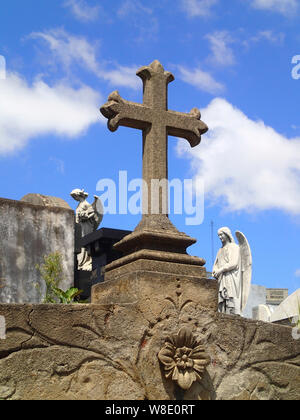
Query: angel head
[79, 195]
[225, 235]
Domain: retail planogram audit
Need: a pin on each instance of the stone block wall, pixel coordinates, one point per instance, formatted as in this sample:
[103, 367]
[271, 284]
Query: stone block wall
[27, 233]
[109, 351]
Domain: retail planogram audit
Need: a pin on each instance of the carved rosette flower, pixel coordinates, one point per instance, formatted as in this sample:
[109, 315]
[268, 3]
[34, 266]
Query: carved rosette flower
[183, 358]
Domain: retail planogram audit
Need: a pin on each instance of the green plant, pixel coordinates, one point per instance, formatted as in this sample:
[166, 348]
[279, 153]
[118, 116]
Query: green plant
[52, 273]
[68, 296]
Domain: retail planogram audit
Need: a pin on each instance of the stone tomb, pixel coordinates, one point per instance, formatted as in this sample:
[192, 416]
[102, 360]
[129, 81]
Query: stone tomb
[29, 230]
[288, 310]
[263, 301]
[110, 352]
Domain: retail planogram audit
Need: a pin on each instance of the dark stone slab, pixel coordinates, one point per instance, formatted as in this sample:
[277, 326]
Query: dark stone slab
[100, 246]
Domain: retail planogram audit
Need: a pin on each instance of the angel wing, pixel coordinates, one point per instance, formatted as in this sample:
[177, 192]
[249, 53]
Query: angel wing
[246, 258]
[98, 209]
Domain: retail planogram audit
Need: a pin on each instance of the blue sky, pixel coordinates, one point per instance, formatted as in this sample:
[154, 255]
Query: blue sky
[232, 59]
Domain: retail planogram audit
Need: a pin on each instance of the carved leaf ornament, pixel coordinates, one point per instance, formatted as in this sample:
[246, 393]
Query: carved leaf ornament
[184, 360]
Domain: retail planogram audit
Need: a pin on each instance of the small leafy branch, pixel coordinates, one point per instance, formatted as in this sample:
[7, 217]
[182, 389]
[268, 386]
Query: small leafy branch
[68, 296]
[52, 274]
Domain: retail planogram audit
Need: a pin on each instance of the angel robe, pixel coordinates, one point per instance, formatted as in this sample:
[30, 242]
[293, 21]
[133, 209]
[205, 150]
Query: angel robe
[85, 216]
[230, 288]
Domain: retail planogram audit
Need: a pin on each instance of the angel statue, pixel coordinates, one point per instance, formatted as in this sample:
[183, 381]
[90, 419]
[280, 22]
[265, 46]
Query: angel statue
[89, 217]
[233, 270]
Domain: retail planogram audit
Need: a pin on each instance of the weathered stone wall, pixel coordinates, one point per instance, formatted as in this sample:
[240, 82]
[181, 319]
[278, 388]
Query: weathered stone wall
[28, 233]
[109, 352]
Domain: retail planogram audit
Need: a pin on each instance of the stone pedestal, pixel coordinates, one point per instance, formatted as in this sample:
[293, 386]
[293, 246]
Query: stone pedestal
[156, 259]
[154, 255]
[159, 283]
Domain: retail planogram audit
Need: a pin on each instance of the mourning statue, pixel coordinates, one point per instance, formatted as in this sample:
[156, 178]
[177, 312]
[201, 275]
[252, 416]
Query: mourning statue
[233, 270]
[89, 217]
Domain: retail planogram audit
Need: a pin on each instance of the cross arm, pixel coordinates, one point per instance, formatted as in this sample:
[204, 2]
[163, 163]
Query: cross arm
[187, 126]
[125, 113]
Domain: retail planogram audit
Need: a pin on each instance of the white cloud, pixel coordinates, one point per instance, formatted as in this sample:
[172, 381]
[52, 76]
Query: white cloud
[59, 164]
[270, 36]
[129, 7]
[28, 111]
[200, 8]
[222, 54]
[266, 35]
[69, 50]
[141, 18]
[285, 7]
[82, 11]
[200, 79]
[122, 76]
[245, 164]
[297, 273]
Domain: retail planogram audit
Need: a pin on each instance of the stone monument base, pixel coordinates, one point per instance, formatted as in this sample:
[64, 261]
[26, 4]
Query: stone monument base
[110, 351]
[160, 282]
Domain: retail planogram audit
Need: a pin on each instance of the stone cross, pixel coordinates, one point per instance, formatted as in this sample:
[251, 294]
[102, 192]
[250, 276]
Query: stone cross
[156, 122]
